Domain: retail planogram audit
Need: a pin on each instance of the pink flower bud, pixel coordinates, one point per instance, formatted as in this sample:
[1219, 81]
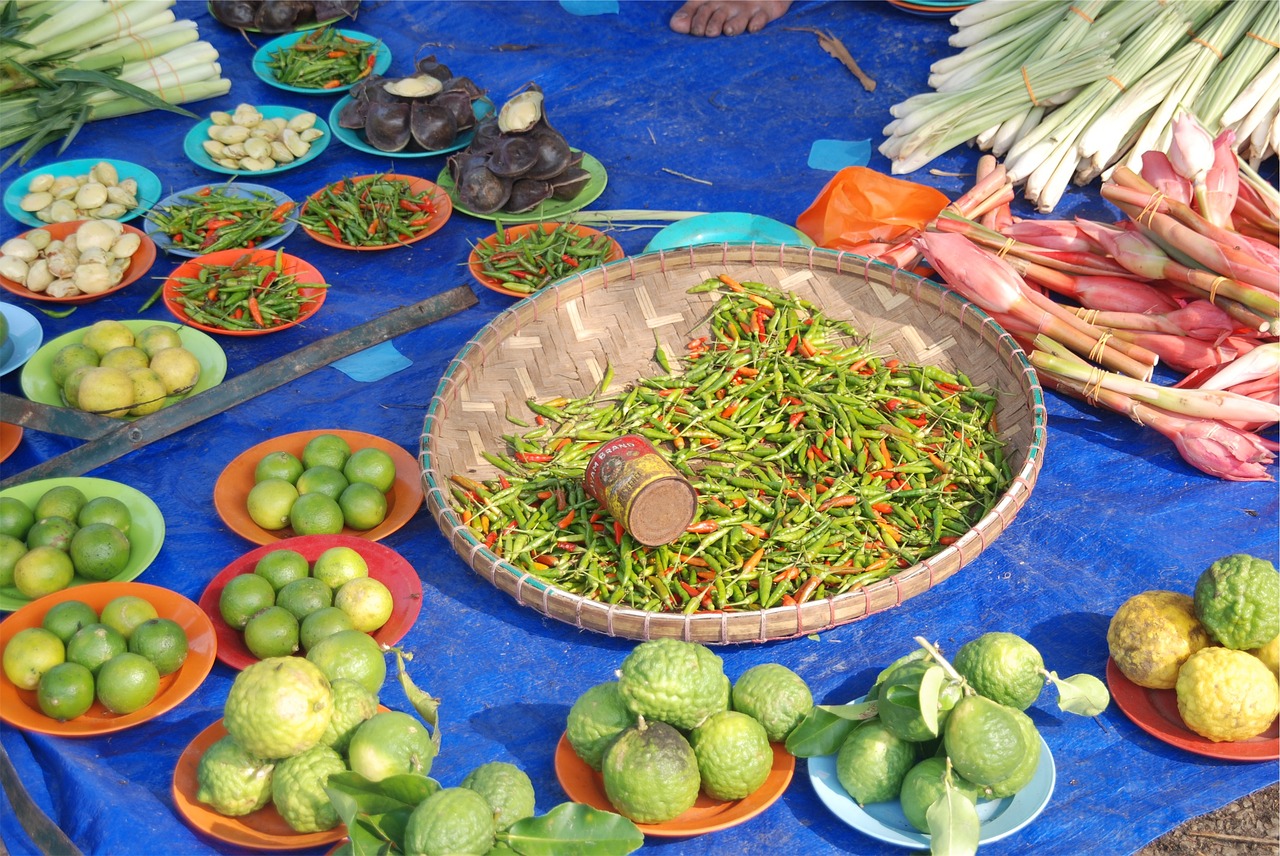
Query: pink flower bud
[972, 271]
[1221, 450]
[1159, 171]
[1222, 182]
[1191, 151]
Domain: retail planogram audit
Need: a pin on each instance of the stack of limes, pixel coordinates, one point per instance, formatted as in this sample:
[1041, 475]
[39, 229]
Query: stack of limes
[1165, 640]
[672, 725]
[77, 655]
[65, 535]
[329, 487]
[112, 372]
[286, 603]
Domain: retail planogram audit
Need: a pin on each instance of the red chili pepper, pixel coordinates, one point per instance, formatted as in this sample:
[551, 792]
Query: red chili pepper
[728, 412]
[267, 280]
[752, 529]
[420, 221]
[282, 209]
[918, 421]
[567, 519]
[332, 84]
[892, 404]
[502, 480]
[702, 527]
[333, 230]
[729, 281]
[533, 457]
[795, 420]
[211, 294]
[373, 227]
[753, 560]
[239, 313]
[786, 575]
[569, 260]
[336, 54]
[617, 532]
[255, 311]
[204, 191]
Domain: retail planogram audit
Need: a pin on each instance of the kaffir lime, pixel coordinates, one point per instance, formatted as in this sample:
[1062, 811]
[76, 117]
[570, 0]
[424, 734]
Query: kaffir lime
[297, 789]
[595, 721]
[231, 781]
[506, 788]
[775, 696]
[680, 683]
[651, 773]
[734, 755]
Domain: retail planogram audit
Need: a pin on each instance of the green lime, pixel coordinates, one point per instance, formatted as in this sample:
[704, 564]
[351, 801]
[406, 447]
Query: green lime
[281, 567]
[51, 532]
[303, 597]
[65, 691]
[68, 359]
[163, 642]
[651, 773]
[450, 822]
[271, 632]
[338, 565]
[99, 551]
[924, 783]
[1003, 667]
[506, 788]
[43, 570]
[127, 682]
[321, 623]
[315, 514]
[351, 654]
[734, 755]
[126, 612]
[106, 509]
[777, 697]
[15, 517]
[242, 597]
[371, 466]
[363, 506]
[11, 550]
[62, 501]
[269, 503]
[595, 720]
[984, 740]
[64, 619]
[872, 763]
[278, 465]
[1026, 769]
[29, 654]
[327, 450]
[297, 789]
[95, 644]
[327, 480]
[367, 601]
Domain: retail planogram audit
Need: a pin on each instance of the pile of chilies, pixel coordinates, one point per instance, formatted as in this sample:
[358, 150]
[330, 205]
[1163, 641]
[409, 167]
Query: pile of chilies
[1191, 279]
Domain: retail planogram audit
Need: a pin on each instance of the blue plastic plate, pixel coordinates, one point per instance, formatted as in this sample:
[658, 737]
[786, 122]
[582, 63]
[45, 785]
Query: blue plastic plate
[726, 227]
[149, 187]
[481, 107]
[262, 58]
[192, 144]
[886, 822]
[231, 188]
[25, 336]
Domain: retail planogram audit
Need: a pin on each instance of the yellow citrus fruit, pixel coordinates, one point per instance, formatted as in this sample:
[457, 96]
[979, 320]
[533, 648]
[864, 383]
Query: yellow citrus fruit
[127, 682]
[106, 509]
[363, 506]
[43, 570]
[126, 612]
[281, 567]
[328, 450]
[149, 392]
[71, 386]
[322, 623]
[16, 517]
[51, 532]
[269, 503]
[99, 551]
[271, 632]
[315, 514]
[1225, 694]
[105, 391]
[105, 335]
[65, 691]
[68, 359]
[125, 358]
[367, 601]
[11, 550]
[64, 500]
[242, 596]
[29, 654]
[163, 642]
[95, 644]
[371, 466]
[1269, 654]
[1152, 634]
[278, 465]
[303, 597]
[156, 338]
[339, 565]
[178, 368]
[64, 619]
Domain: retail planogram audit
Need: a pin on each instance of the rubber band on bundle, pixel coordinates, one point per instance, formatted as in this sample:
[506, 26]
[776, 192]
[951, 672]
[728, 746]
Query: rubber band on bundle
[1150, 209]
[1099, 347]
[1026, 81]
[1088, 316]
[1093, 385]
[1213, 287]
[1263, 39]
[1008, 245]
[1081, 13]
[1200, 41]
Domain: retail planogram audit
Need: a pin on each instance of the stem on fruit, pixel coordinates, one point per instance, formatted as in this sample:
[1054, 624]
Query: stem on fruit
[946, 666]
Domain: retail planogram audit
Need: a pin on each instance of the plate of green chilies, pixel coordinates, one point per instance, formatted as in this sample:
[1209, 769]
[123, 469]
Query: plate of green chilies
[305, 63]
[208, 218]
[244, 292]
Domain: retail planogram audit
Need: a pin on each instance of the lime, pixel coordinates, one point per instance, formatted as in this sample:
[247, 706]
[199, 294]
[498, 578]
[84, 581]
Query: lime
[371, 466]
[95, 644]
[29, 654]
[777, 697]
[321, 479]
[1003, 667]
[271, 632]
[390, 743]
[11, 550]
[43, 570]
[126, 612]
[315, 514]
[924, 783]
[328, 450]
[680, 683]
[595, 720]
[269, 503]
[321, 623]
[99, 551]
[338, 565]
[231, 781]
[163, 642]
[278, 707]
[303, 597]
[1152, 634]
[242, 597]
[156, 338]
[105, 391]
[734, 755]
[71, 388]
[367, 601]
[278, 465]
[297, 789]
[1026, 769]
[65, 691]
[15, 517]
[506, 788]
[651, 773]
[984, 740]
[351, 654]
[64, 619]
[61, 501]
[450, 822]
[51, 532]
[352, 705]
[127, 682]
[363, 506]
[1237, 600]
[281, 567]
[1225, 694]
[106, 509]
[149, 392]
[872, 763]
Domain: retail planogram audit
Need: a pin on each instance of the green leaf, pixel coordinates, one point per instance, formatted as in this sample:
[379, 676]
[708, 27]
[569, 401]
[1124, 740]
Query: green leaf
[427, 706]
[930, 688]
[365, 839]
[115, 84]
[953, 824]
[857, 712]
[354, 792]
[917, 654]
[821, 732]
[573, 829]
[1081, 694]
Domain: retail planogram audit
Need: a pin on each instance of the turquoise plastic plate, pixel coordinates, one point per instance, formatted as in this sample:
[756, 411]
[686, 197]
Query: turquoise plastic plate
[231, 188]
[481, 107]
[726, 227]
[262, 59]
[886, 822]
[552, 209]
[25, 335]
[37, 376]
[149, 187]
[192, 144]
[146, 532]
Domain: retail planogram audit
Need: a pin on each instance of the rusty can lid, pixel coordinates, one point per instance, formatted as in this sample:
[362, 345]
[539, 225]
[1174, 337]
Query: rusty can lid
[661, 511]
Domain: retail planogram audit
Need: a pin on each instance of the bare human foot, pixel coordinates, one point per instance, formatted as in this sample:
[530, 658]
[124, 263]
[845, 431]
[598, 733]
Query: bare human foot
[713, 18]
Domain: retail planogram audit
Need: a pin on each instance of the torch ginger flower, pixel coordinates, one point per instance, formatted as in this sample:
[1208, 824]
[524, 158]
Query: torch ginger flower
[1191, 151]
[1222, 183]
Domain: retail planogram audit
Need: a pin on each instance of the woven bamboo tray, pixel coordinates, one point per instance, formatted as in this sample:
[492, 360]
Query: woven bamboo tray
[559, 342]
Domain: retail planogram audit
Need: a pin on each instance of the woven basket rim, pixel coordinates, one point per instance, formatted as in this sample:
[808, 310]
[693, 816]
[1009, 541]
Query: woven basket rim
[722, 627]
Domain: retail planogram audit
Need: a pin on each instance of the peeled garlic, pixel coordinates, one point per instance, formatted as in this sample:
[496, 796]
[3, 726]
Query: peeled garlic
[126, 245]
[14, 268]
[104, 172]
[64, 187]
[38, 276]
[63, 288]
[120, 196]
[63, 211]
[418, 86]
[62, 264]
[94, 235]
[39, 238]
[301, 122]
[220, 117]
[246, 115]
[229, 133]
[40, 183]
[19, 248]
[294, 143]
[111, 211]
[93, 278]
[90, 196]
[257, 147]
[310, 135]
[213, 148]
[35, 201]
[280, 153]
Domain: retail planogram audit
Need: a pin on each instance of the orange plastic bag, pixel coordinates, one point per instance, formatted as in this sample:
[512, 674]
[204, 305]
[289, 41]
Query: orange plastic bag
[860, 205]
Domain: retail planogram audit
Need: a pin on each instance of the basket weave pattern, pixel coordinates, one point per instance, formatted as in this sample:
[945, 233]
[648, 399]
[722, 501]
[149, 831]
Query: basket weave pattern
[560, 342]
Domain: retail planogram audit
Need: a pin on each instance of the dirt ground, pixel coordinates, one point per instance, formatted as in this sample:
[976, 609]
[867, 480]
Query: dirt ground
[1247, 827]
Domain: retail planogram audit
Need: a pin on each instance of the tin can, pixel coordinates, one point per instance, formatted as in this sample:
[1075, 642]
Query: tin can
[641, 489]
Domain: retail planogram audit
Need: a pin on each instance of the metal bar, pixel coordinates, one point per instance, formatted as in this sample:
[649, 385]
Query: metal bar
[51, 419]
[127, 436]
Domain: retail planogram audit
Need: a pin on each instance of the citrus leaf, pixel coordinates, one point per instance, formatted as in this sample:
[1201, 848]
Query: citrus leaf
[857, 712]
[1081, 694]
[364, 839]
[930, 689]
[374, 798]
[821, 732]
[953, 824]
[917, 654]
[574, 828]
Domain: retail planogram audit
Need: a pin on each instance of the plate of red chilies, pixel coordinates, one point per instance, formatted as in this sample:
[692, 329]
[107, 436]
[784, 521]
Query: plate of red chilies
[381, 211]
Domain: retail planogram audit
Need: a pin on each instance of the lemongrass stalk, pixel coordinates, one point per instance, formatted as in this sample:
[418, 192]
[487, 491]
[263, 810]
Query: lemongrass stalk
[1205, 404]
[1010, 26]
[995, 55]
[197, 53]
[125, 106]
[1255, 126]
[66, 18]
[1239, 68]
[990, 10]
[108, 21]
[630, 219]
[1265, 82]
[127, 49]
[172, 86]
